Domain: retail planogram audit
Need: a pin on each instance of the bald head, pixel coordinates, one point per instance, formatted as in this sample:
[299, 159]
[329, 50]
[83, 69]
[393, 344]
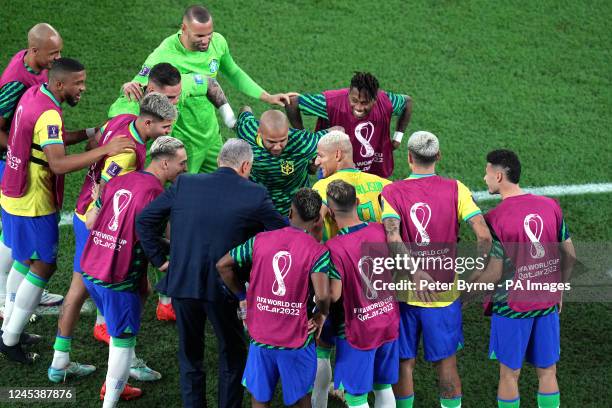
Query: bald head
[44, 46]
[274, 131]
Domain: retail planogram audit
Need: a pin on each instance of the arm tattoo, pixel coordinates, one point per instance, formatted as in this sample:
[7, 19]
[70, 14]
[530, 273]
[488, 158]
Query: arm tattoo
[215, 93]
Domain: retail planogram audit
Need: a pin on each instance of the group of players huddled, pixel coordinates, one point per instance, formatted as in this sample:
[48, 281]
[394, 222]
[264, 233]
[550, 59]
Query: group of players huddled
[310, 286]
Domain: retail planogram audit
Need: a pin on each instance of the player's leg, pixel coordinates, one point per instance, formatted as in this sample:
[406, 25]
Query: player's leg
[61, 367]
[325, 345]
[508, 345]
[120, 355]
[386, 372]
[297, 370]
[139, 369]
[543, 353]
[6, 261]
[442, 338]
[409, 334]
[261, 374]
[354, 372]
[16, 275]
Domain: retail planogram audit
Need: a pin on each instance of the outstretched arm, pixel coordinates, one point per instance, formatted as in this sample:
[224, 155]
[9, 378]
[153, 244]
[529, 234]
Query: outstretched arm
[293, 113]
[402, 121]
[217, 97]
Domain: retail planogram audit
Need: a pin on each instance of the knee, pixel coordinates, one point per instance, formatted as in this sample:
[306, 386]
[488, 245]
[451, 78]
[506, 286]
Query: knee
[508, 374]
[407, 366]
[547, 373]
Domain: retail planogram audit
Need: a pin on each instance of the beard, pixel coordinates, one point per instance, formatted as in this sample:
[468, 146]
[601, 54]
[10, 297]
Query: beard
[72, 100]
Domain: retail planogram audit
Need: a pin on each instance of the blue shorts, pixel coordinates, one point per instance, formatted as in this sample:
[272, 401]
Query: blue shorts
[536, 339]
[356, 371]
[296, 368]
[80, 238]
[31, 237]
[121, 310]
[440, 326]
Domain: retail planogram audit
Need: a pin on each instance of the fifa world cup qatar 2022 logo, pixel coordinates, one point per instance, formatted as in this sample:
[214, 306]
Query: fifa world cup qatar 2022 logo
[281, 263]
[534, 225]
[121, 200]
[420, 215]
[366, 272]
[363, 134]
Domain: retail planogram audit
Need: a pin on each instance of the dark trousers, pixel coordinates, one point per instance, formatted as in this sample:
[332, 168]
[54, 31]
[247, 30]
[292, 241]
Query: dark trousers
[191, 315]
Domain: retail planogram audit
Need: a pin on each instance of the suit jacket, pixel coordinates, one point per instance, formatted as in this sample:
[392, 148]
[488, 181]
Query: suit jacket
[209, 214]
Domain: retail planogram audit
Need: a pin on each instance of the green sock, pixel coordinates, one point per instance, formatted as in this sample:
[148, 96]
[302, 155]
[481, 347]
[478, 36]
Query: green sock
[549, 400]
[356, 400]
[515, 403]
[454, 402]
[62, 344]
[323, 352]
[404, 402]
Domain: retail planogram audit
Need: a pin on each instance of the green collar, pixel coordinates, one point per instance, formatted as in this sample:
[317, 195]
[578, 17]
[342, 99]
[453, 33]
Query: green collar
[418, 176]
[44, 90]
[29, 68]
[349, 170]
[348, 230]
[135, 133]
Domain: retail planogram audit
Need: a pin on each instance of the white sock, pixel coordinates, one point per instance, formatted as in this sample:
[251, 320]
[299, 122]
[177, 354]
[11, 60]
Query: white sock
[27, 298]
[100, 319]
[6, 261]
[321, 385]
[12, 284]
[384, 398]
[119, 361]
[165, 300]
[61, 359]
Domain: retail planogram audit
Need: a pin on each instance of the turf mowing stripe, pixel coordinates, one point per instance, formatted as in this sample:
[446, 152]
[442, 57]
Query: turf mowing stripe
[552, 191]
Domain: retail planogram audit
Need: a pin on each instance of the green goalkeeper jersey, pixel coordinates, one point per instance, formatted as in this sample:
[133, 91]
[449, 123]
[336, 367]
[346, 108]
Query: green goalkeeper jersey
[197, 124]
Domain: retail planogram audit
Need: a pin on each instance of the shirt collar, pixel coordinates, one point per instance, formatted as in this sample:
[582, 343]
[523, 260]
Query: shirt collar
[418, 176]
[134, 132]
[46, 91]
[354, 228]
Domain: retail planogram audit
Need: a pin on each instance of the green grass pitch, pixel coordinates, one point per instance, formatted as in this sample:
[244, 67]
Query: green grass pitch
[530, 76]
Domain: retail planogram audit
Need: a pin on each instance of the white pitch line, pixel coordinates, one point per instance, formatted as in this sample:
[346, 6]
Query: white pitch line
[551, 191]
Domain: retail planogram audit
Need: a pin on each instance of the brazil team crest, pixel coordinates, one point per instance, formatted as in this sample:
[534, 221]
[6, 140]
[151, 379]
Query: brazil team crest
[213, 65]
[287, 167]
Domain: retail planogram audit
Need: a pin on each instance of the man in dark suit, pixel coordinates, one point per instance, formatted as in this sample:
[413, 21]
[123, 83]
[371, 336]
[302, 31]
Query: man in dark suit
[210, 214]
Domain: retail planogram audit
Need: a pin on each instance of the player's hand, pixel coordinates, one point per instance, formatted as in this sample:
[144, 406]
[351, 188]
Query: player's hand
[164, 267]
[395, 144]
[95, 192]
[118, 145]
[423, 293]
[315, 325]
[280, 99]
[132, 91]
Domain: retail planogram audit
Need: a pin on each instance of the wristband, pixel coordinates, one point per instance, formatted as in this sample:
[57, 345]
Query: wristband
[90, 132]
[397, 136]
[241, 295]
[227, 114]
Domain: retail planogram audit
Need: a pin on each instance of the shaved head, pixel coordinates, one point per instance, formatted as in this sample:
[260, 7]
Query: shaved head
[274, 120]
[40, 34]
[44, 46]
[274, 131]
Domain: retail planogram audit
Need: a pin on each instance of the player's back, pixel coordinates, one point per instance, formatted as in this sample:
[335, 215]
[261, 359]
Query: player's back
[367, 188]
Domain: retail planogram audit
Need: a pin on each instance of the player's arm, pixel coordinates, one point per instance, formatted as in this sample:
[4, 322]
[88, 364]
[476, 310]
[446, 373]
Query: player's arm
[10, 94]
[335, 283]
[246, 125]
[468, 211]
[239, 256]
[243, 82]
[48, 131]
[320, 283]
[151, 225]
[217, 97]
[94, 208]
[268, 215]
[491, 273]
[77, 136]
[402, 107]
[568, 256]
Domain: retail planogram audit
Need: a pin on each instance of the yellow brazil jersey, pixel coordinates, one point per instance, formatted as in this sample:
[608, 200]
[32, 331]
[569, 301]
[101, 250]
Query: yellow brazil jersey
[39, 198]
[368, 188]
[466, 209]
